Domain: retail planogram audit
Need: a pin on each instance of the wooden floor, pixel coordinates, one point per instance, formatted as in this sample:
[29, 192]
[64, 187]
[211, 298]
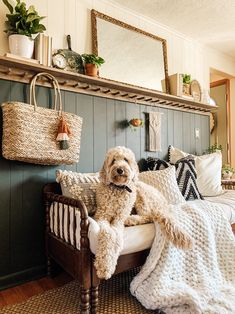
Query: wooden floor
[23, 292]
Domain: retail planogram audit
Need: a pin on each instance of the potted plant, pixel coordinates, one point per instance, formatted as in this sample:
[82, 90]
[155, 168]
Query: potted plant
[227, 172]
[21, 24]
[186, 84]
[214, 149]
[92, 63]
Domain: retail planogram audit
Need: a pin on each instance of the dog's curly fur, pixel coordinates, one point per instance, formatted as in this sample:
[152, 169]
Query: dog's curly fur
[118, 193]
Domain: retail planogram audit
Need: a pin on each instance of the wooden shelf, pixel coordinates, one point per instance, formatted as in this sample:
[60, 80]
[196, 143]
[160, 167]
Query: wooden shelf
[21, 71]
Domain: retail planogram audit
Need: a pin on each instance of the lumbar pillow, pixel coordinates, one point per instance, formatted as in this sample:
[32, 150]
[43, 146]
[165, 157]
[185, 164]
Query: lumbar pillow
[185, 175]
[165, 182]
[81, 186]
[208, 169]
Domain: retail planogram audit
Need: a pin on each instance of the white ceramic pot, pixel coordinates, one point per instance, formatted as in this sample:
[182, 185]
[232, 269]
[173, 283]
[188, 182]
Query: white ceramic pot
[21, 45]
[227, 175]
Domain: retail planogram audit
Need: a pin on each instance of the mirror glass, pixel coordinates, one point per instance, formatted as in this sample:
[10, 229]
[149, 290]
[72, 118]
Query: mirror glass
[131, 55]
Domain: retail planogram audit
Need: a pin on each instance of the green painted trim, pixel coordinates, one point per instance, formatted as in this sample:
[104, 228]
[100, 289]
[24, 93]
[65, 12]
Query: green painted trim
[22, 276]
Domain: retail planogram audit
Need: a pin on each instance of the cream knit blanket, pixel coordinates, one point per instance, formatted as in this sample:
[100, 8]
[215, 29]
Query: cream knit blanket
[201, 280]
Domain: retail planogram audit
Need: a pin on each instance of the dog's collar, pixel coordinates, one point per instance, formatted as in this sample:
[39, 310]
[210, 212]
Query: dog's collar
[122, 187]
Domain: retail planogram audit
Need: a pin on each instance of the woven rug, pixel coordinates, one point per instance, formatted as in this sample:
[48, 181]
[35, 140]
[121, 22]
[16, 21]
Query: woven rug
[114, 297]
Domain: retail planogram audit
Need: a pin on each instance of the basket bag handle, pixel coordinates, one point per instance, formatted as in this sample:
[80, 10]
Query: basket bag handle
[54, 82]
[64, 132]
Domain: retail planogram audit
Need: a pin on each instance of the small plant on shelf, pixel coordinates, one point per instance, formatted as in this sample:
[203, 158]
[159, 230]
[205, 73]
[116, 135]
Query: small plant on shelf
[23, 21]
[227, 171]
[186, 84]
[21, 25]
[186, 78]
[214, 148]
[92, 63]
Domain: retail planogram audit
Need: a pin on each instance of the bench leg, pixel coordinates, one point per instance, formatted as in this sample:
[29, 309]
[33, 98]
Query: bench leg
[49, 266]
[94, 290]
[53, 269]
[94, 299]
[85, 301]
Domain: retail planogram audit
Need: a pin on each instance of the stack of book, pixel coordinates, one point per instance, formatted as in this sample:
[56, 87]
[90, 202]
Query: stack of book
[43, 49]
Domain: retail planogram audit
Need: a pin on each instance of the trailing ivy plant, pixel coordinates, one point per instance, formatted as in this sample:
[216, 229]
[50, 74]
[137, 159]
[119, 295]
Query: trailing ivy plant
[93, 59]
[23, 21]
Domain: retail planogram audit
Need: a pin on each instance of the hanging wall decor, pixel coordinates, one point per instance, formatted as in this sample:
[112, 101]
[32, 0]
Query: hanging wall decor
[155, 131]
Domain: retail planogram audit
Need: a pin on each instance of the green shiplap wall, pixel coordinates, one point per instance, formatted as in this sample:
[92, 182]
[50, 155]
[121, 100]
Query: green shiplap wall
[21, 209]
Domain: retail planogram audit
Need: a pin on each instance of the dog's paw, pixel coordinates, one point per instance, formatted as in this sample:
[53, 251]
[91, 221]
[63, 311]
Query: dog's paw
[103, 270]
[103, 274]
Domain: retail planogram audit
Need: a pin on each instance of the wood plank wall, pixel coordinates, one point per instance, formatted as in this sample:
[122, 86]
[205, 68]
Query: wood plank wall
[21, 210]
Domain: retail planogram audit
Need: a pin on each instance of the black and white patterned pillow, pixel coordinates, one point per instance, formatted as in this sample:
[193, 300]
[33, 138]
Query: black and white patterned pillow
[186, 175]
[156, 164]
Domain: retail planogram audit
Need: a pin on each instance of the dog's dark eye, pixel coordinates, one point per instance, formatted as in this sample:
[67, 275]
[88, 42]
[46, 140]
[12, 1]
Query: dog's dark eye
[126, 159]
[113, 161]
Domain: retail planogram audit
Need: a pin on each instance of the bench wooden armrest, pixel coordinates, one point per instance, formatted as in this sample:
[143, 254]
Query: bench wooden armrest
[50, 198]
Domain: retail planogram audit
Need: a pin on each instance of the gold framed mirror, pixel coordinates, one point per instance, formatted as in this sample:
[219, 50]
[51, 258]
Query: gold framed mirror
[132, 55]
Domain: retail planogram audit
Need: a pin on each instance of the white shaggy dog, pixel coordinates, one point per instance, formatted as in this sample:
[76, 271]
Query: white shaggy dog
[118, 193]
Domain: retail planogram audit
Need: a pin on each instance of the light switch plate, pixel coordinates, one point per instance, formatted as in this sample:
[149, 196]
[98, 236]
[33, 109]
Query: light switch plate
[197, 133]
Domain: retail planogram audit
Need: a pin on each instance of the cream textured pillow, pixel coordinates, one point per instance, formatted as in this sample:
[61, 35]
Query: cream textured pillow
[175, 154]
[81, 186]
[165, 182]
[208, 169]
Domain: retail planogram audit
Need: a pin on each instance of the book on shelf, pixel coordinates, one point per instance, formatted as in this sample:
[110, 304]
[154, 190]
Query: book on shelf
[12, 56]
[43, 49]
[176, 84]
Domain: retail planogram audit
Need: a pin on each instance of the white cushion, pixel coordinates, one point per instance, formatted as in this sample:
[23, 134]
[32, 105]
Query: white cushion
[136, 238]
[165, 182]
[81, 186]
[208, 169]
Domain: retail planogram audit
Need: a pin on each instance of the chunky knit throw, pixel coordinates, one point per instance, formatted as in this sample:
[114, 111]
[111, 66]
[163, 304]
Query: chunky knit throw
[201, 280]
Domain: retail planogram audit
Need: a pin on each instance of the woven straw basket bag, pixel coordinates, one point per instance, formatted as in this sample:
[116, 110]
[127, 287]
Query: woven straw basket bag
[30, 132]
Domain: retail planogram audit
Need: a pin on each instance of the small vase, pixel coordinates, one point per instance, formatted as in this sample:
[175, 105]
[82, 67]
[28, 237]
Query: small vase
[186, 89]
[205, 97]
[21, 45]
[91, 69]
[227, 175]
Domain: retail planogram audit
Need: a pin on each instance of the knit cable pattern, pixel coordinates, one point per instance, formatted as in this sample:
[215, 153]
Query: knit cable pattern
[201, 280]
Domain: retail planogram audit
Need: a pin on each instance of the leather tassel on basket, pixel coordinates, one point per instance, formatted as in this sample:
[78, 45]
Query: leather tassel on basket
[63, 134]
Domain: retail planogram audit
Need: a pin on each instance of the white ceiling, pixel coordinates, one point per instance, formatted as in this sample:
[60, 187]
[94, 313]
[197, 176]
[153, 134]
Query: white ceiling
[211, 22]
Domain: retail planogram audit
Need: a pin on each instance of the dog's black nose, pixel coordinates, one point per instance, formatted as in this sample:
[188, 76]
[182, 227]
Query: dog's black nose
[120, 171]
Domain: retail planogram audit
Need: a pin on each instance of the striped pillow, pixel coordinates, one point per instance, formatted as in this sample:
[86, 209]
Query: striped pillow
[185, 175]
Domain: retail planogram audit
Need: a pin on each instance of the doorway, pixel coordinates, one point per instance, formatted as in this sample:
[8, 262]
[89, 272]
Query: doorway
[220, 130]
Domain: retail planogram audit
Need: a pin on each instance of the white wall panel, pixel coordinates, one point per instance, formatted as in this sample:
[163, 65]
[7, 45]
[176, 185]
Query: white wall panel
[56, 22]
[83, 25]
[70, 22]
